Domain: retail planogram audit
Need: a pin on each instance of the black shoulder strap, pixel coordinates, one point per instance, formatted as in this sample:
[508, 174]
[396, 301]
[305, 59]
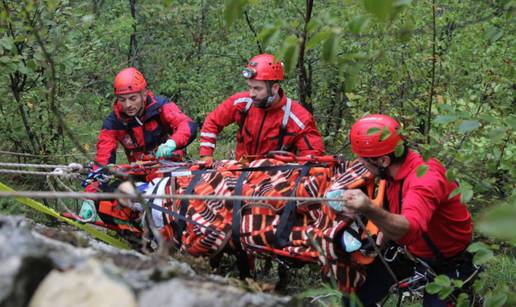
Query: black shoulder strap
[237, 204]
[243, 116]
[242, 259]
[437, 253]
[288, 216]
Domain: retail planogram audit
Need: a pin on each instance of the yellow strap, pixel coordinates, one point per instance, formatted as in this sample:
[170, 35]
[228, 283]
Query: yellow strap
[88, 228]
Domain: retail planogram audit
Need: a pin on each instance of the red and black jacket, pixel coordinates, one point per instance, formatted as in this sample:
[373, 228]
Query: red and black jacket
[286, 125]
[142, 135]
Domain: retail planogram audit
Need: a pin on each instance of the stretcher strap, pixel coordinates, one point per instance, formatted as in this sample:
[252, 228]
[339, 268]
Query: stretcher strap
[288, 216]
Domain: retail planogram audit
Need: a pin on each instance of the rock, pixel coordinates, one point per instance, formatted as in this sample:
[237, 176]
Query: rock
[61, 266]
[193, 293]
[24, 262]
[87, 285]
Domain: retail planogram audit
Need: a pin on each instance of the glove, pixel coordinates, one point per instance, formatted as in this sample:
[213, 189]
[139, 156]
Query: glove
[350, 240]
[335, 205]
[166, 149]
[88, 211]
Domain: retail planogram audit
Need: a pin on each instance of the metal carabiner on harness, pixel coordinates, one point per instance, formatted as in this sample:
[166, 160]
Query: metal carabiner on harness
[392, 252]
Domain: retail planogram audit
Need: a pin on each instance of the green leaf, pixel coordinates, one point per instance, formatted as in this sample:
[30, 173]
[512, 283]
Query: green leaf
[329, 46]
[5, 59]
[455, 192]
[475, 247]
[386, 133]
[457, 283]
[511, 121]
[398, 151]
[433, 288]
[496, 299]
[421, 170]
[451, 175]
[233, 9]
[167, 3]
[445, 119]
[291, 52]
[268, 34]
[493, 34]
[468, 126]
[444, 293]
[483, 256]
[462, 300]
[466, 195]
[317, 39]
[6, 43]
[358, 24]
[443, 280]
[381, 9]
[373, 130]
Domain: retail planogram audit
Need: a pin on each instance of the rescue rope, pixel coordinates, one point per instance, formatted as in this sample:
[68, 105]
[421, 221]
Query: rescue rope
[36, 173]
[28, 165]
[24, 154]
[96, 196]
[65, 207]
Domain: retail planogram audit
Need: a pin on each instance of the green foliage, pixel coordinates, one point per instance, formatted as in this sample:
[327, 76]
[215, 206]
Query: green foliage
[360, 57]
[421, 170]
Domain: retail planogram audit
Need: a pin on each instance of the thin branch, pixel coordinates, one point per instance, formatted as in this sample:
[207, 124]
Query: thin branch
[249, 23]
[432, 85]
[303, 84]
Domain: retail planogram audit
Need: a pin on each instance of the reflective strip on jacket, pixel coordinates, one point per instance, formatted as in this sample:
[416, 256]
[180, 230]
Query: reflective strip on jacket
[259, 129]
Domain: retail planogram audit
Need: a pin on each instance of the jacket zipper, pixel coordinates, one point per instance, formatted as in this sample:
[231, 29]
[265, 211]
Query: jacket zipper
[259, 132]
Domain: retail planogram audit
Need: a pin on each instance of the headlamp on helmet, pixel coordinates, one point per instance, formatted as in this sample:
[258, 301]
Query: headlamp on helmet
[249, 73]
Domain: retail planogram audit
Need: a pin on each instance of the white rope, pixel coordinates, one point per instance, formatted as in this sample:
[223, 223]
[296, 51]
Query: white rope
[61, 202]
[24, 154]
[28, 165]
[95, 196]
[56, 172]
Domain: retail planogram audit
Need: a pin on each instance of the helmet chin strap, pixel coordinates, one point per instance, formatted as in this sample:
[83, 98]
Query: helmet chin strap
[383, 172]
[267, 102]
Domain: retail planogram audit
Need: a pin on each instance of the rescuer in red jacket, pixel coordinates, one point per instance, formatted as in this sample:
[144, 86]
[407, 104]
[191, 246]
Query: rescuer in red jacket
[418, 212]
[143, 123]
[268, 120]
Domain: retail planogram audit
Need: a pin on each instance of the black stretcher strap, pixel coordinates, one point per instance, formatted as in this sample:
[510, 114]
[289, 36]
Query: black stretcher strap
[237, 214]
[180, 217]
[181, 224]
[288, 216]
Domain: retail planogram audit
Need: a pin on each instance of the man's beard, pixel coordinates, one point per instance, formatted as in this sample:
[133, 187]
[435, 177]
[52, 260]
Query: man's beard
[383, 173]
[262, 103]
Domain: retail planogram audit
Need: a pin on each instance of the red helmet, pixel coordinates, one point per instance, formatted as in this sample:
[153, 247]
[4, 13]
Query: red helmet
[129, 80]
[369, 144]
[263, 67]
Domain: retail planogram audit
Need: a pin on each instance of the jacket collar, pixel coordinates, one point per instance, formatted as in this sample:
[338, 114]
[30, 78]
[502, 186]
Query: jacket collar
[412, 161]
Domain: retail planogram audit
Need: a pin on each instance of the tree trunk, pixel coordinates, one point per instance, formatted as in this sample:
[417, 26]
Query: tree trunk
[304, 84]
[132, 57]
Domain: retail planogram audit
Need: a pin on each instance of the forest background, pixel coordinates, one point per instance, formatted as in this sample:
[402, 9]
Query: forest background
[445, 69]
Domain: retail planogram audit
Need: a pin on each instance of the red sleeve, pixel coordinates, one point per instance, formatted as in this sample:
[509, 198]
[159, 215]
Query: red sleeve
[309, 140]
[106, 147]
[222, 116]
[185, 129]
[420, 201]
